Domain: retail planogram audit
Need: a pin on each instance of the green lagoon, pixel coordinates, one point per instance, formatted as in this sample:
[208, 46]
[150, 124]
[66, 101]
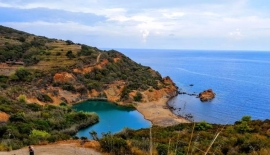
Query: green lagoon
[112, 118]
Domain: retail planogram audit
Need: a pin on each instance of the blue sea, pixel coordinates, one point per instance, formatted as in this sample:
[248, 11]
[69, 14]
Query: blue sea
[240, 79]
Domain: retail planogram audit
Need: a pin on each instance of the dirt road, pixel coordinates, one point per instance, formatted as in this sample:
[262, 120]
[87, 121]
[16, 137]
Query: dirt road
[55, 149]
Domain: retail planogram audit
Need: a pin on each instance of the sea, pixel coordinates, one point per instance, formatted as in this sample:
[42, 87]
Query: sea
[240, 79]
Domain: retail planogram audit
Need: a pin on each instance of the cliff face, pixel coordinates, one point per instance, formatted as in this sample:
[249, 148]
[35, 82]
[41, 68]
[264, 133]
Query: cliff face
[112, 92]
[51, 71]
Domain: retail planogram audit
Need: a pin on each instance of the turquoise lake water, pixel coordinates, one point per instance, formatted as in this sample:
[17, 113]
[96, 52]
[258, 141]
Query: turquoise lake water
[112, 118]
[240, 79]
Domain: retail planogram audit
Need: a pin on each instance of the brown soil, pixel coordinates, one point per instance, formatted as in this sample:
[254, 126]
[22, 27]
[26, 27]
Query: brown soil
[71, 147]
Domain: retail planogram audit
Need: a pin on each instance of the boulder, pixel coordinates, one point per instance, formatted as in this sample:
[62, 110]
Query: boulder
[207, 95]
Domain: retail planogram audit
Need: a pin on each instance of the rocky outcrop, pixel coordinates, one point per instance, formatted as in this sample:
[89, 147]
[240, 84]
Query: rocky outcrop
[64, 77]
[207, 95]
[4, 117]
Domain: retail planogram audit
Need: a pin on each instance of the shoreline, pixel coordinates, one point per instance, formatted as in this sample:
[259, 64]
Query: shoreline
[159, 113]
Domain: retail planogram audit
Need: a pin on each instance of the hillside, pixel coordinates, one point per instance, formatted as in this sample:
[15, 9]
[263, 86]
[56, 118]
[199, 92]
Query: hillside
[54, 71]
[40, 78]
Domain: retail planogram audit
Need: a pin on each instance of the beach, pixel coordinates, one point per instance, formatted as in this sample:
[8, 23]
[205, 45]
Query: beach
[159, 113]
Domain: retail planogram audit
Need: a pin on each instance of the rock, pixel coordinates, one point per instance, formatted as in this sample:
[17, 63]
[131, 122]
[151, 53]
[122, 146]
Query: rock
[64, 77]
[4, 117]
[207, 95]
[191, 85]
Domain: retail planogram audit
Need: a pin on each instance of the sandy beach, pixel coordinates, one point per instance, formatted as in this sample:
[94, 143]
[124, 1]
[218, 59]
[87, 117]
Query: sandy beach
[159, 113]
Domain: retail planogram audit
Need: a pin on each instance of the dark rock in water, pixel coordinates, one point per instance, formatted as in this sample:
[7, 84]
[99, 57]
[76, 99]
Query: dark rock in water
[207, 95]
[182, 93]
[191, 85]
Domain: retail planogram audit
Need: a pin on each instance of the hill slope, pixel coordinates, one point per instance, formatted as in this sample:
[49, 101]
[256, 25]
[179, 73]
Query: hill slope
[53, 71]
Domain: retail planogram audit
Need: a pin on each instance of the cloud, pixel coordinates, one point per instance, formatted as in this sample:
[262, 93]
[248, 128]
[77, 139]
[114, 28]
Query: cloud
[145, 34]
[236, 34]
[195, 23]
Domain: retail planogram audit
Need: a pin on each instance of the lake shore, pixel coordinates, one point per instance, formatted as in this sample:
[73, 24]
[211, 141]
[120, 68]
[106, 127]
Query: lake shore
[159, 114]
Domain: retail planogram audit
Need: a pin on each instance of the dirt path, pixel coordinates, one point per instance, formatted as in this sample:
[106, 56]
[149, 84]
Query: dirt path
[98, 58]
[55, 149]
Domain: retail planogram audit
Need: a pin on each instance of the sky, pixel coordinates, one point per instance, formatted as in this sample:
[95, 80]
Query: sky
[145, 24]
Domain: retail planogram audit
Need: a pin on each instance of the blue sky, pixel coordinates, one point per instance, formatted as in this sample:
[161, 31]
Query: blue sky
[159, 24]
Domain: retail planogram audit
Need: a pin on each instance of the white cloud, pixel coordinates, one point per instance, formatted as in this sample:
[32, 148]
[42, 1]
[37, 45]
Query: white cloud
[201, 21]
[145, 34]
[236, 34]
[173, 15]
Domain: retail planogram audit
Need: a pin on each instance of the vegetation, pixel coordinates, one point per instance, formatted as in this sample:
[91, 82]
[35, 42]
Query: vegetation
[30, 64]
[176, 139]
[36, 124]
[32, 61]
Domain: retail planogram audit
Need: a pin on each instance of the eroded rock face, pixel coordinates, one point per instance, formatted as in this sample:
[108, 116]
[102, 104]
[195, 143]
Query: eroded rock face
[64, 77]
[207, 95]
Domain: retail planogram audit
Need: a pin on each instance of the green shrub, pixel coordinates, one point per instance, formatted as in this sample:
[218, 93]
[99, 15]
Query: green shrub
[162, 149]
[39, 135]
[202, 126]
[70, 54]
[22, 98]
[138, 97]
[109, 143]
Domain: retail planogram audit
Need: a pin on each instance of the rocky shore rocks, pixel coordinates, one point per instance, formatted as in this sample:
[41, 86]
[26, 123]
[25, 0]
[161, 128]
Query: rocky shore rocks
[207, 95]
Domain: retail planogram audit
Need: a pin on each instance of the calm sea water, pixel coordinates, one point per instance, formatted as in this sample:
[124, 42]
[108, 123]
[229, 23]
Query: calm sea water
[241, 81]
[112, 118]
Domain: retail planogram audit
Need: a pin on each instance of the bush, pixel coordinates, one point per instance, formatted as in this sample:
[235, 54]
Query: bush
[70, 55]
[202, 126]
[138, 97]
[22, 98]
[39, 135]
[109, 143]
[69, 42]
[22, 74]
[44, 98]
[58, 53]
[162, 149]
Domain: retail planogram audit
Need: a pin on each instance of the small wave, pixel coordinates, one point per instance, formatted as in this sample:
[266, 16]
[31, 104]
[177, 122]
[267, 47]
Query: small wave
[226, 59]
[220, 77]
